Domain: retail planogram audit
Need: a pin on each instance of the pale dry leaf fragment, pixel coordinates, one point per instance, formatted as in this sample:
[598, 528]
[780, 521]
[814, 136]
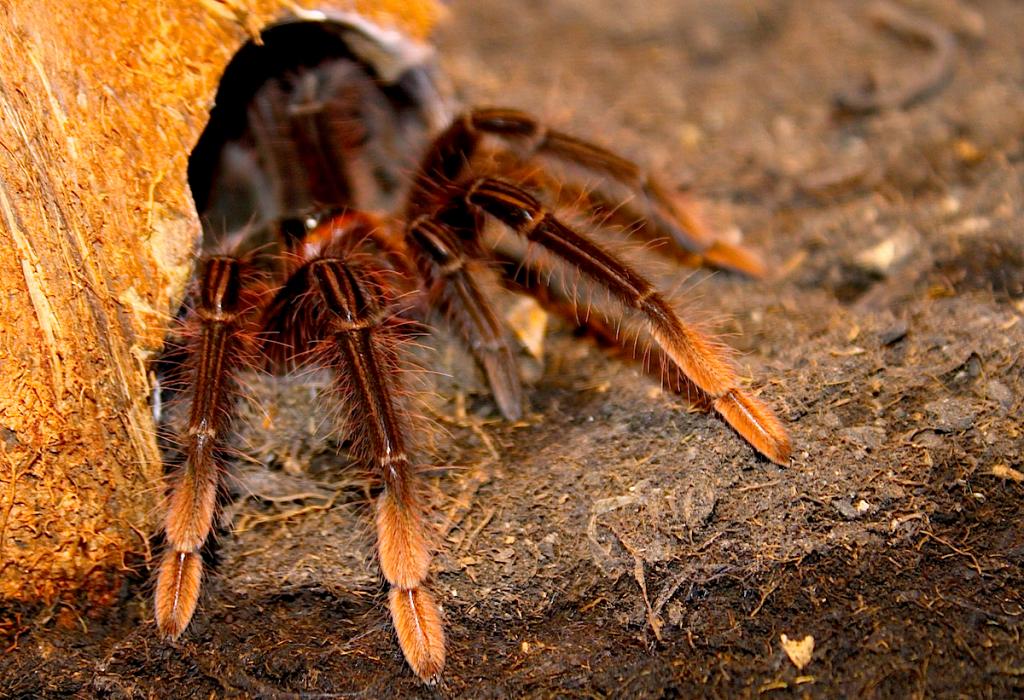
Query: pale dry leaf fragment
[882, 258]
[799, 652]
[529, 322]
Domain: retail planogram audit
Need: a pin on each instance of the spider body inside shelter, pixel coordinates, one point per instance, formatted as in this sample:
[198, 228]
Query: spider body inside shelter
[341, 205]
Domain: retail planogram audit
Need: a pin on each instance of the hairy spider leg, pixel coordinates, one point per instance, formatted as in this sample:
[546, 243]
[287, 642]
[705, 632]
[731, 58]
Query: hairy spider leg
[696, 355]
[609, 214]
[454, 148]
[303, 136]
[453, 289]
[526, 276]
[311, 131]
[352, 338]
[216, 353]
[447, 244]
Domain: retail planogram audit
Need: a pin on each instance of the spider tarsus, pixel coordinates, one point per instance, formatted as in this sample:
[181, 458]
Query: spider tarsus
[756, 423]
[503, 377]
[177, 591]
[420, 631]
[726, 256]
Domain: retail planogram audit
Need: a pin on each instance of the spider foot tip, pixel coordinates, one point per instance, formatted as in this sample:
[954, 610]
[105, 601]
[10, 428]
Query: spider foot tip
[420, 632]
[177, 592]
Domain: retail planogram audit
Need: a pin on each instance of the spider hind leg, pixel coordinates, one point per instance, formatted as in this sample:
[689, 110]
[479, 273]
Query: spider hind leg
[697, 356]
[526, 138]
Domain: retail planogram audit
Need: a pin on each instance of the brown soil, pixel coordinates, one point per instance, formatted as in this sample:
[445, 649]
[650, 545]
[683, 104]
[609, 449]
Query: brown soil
[614, 544]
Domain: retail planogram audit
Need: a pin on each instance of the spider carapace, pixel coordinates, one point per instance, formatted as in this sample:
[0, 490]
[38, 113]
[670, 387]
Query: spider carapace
[340, 201]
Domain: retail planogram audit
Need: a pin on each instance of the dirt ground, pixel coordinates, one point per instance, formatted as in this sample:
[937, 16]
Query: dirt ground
[614, 543]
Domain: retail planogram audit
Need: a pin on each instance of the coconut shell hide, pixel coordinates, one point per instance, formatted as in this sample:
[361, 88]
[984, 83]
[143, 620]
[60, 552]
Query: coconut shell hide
[100, 104]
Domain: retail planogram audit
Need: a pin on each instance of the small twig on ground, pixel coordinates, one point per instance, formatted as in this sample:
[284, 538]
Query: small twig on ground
[764, 598]
[961, 552]
[652, 619]
[755, 487]
[463, 503]
[249, 521]
[932, 76]
[669, 591]
[465, 542]
[464, 420]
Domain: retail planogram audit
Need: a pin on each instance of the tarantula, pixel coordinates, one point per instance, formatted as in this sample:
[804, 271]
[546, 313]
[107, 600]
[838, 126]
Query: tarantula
[315, 243]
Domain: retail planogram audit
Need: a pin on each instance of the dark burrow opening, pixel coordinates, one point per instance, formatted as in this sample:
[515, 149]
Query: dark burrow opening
[315, 117]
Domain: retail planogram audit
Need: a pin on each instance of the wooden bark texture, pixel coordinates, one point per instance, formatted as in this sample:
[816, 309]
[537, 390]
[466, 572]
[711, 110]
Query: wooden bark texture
[100, 104]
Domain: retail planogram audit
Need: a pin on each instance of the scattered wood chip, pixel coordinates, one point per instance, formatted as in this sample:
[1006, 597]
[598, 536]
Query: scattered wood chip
[792, 264]
[894, 333]
[777, 684]
[1004, 471]
[887, 255]
[799, 652]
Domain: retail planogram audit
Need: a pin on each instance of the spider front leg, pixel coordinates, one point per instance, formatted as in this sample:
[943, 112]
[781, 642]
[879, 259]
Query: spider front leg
[697, 356]
[217, 351]
[348, 331]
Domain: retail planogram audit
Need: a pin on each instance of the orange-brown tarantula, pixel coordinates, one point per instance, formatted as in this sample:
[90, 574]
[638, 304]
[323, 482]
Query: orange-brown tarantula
[323, 239]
